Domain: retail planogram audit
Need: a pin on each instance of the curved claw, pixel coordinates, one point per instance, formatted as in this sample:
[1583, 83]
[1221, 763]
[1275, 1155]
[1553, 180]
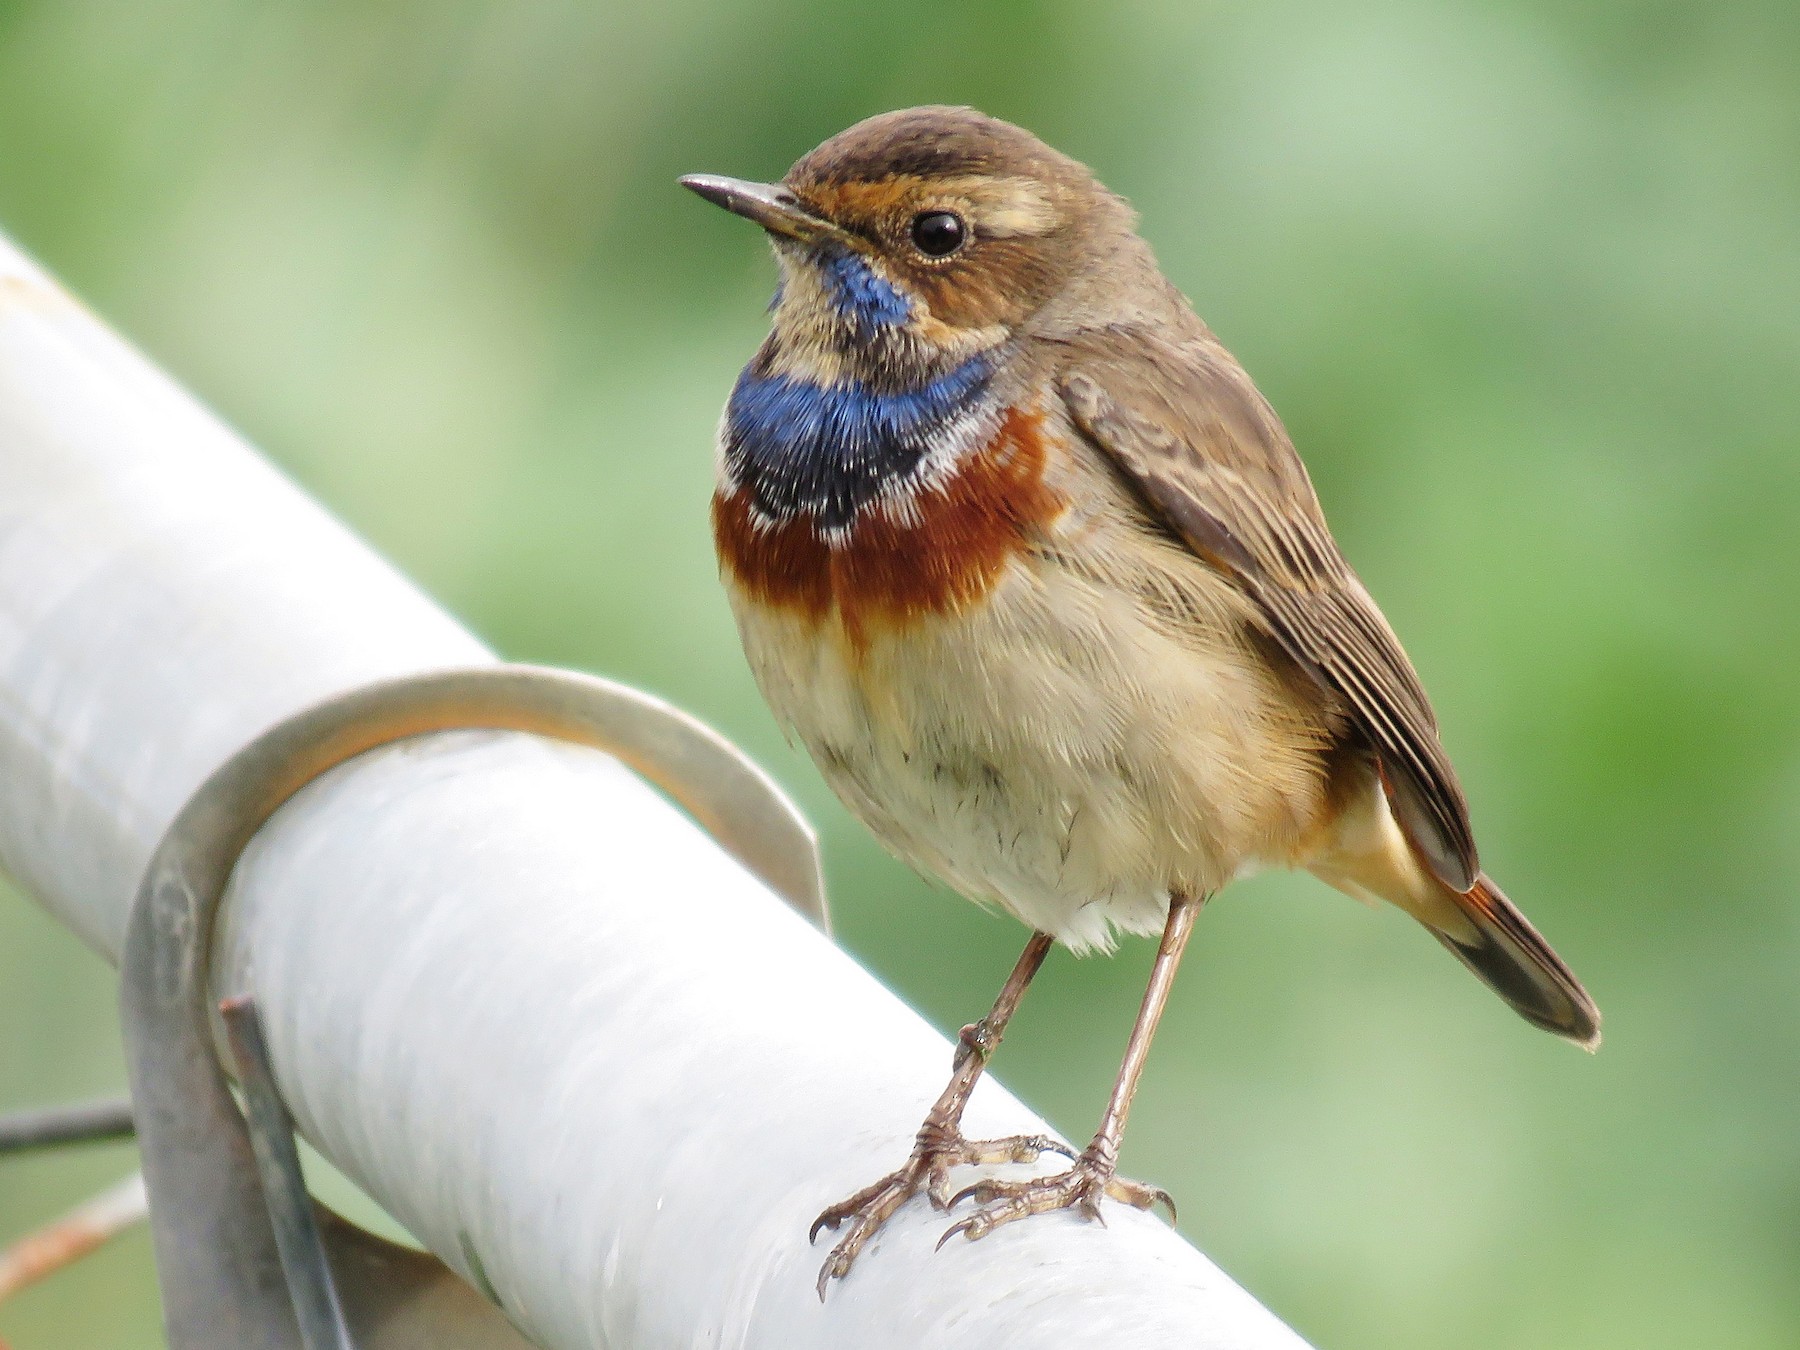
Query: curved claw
[1140, 1196]
[969, 1193]
[927, 1170]
[872, 1210]
[1043, 1143]
[963, 1227]
[1161, 1197]
[835, 1268]
[833, 1215]
[1079, 1189]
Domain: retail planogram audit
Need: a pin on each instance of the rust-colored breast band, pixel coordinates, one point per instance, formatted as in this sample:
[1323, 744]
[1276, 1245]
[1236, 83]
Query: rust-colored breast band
[895, 567]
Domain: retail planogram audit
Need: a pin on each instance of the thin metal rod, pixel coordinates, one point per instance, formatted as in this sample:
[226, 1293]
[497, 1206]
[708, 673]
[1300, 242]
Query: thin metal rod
[71, 1237]
[77, 1123]
[1182, 912]
[316, 1305]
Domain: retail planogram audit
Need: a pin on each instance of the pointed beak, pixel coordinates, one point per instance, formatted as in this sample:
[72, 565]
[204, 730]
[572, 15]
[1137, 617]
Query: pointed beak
[769, 204]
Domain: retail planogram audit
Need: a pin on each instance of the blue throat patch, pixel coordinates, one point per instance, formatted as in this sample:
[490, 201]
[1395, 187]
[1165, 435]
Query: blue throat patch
[859, 294]
[828, 450]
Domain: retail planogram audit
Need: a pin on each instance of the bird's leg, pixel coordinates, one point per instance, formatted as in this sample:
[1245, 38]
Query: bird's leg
[940, 1145]
[1094, 1173]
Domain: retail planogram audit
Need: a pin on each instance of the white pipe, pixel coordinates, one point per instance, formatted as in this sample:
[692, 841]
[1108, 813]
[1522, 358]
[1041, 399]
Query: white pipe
[165, 594]
[528, 1005]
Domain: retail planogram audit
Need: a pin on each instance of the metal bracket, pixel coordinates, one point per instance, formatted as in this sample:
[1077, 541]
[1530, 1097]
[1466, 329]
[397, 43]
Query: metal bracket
[218, 1261]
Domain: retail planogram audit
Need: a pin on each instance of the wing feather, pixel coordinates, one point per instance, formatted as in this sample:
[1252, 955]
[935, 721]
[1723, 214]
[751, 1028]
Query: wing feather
[1187, 428]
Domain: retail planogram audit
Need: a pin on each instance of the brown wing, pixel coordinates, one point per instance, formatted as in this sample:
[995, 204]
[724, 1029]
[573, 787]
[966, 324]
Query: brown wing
[1204, 449]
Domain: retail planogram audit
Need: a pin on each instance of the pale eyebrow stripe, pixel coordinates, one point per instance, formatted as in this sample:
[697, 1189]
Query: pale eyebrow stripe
[1006, 207]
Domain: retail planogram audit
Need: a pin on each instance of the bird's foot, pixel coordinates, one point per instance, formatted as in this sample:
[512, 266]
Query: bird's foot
[938, 1149]
[1090, 1177]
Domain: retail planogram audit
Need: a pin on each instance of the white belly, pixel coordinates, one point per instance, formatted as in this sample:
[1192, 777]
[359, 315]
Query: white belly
[1055, 750]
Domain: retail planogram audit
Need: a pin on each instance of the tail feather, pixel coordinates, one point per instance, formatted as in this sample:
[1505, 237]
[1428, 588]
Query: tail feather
[1509, 956]
[1369, 855]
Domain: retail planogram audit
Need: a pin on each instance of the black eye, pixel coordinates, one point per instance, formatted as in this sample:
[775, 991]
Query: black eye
[938, 234]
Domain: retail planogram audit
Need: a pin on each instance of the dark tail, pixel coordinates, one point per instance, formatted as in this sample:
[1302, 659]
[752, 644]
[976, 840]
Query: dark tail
[1517, 964]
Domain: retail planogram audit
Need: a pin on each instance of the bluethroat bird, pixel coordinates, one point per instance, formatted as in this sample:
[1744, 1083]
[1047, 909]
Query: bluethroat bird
[1021, 556]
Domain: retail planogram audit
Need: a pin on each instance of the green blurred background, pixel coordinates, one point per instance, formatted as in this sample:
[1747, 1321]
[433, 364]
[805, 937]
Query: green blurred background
[1524, 279]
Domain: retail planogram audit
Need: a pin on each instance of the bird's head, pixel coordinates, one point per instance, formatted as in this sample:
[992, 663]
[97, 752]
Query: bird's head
[918, 238]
